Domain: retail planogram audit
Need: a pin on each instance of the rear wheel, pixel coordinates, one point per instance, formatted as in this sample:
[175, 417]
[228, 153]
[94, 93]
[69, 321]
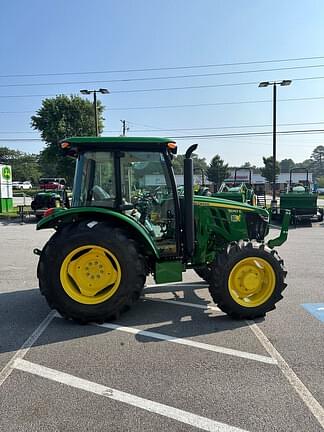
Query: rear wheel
[91, 272]
[247, 280]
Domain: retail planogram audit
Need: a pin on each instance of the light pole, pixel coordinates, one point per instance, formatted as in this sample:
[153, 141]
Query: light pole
[282, 83]
[87, 92]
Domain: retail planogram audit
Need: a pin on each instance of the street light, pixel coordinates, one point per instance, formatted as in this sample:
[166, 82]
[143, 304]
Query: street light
[282, 83]
[88, 92]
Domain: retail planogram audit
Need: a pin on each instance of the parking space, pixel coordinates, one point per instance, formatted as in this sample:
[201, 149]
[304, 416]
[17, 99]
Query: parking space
[173, 362]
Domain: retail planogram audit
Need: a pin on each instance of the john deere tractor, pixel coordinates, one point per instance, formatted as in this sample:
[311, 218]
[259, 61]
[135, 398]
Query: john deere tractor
[127, 221]
[238, 190]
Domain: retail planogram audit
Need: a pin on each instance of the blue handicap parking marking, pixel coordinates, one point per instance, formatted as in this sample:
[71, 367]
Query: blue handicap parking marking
[316, 309]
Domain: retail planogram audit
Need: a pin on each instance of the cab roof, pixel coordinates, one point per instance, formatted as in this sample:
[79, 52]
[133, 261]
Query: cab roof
[77, 144]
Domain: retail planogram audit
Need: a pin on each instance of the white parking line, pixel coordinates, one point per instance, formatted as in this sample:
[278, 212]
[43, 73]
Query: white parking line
[6, 371]
[307, 397]
[181, 284]
[181, 303]
[313, 405]
[191, 343]
[145, 404]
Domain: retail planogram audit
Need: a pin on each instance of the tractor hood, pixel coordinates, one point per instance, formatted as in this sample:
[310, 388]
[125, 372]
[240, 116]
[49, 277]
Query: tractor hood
[228, 204]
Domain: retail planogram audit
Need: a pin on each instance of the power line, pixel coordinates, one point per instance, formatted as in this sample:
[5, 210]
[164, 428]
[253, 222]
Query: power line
[221, 127]
[206, 136]
[164, 68]
[160, 78]
[191, 105]
[213, 104]
[188, 129]
[161, 88]
[247, 134]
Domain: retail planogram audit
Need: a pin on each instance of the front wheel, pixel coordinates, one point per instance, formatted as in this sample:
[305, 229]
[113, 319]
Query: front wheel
[204, 273]
[247, 280]
[91, 272]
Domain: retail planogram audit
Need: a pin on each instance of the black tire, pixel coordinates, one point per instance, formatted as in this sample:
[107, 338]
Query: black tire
[78, 236]
[321, 215]
[204, 273]
[220, 280]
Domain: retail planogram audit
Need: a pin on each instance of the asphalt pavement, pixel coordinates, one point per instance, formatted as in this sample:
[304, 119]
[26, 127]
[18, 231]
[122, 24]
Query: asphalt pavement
[174, 362]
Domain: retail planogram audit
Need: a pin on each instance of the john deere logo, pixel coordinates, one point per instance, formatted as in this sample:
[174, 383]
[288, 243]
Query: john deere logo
[6, 173]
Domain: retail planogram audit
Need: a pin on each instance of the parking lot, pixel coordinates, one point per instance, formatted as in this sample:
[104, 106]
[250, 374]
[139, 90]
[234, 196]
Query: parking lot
[174, 362]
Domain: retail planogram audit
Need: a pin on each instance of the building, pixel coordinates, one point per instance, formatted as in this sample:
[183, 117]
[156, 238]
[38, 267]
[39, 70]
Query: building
[282, 179]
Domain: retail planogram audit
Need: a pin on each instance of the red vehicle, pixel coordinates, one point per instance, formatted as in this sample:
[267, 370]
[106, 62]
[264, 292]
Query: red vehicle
[52, 183]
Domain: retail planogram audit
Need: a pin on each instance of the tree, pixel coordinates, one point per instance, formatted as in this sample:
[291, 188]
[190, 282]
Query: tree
[58, 118]
[317, 158]
[24, 166]
[247, 165]
[198, 163]
[217, 171]
[320, 181]
[267, 171]
[286, 165]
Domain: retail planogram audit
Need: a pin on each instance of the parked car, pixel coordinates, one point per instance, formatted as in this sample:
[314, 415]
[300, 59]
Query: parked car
[22, 185]
[27, 185]
[16, 184]
[52, 183]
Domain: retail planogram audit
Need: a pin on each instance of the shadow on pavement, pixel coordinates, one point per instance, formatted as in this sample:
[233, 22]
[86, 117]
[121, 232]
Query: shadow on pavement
[21, 312]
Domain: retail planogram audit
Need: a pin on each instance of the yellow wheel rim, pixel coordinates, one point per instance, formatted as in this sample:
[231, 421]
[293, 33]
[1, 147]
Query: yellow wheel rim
[251, 281]
[90, 274]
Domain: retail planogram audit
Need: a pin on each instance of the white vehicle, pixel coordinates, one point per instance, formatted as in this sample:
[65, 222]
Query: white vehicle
[16, 185]
[26, 185]
[22, 185]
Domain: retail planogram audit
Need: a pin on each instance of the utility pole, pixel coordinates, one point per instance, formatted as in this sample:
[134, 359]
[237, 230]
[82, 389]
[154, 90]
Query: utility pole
[95, 107]
[125, 127]
[274, 132]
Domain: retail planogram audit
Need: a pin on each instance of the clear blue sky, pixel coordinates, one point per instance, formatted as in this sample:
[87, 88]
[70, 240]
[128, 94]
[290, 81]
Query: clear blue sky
[44, 37]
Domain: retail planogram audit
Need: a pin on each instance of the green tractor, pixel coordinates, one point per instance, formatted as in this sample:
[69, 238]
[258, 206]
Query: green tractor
[52, 194]
[299, 200]
[238, 190]
[127, 221]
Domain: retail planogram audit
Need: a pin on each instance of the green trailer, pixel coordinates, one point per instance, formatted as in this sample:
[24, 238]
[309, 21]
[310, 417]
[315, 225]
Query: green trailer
[123, 226]
[299, 200]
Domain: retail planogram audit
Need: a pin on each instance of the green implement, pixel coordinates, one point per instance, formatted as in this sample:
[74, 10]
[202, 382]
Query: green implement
[299, 200]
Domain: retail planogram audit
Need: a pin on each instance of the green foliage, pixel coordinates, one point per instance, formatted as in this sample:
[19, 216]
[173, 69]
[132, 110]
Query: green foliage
[247, 165]
[317, 159]
[58, 118]
[286, 165]
[198, 163]
[320, 181]
[24, 166]
[267, 171]
[217, 171]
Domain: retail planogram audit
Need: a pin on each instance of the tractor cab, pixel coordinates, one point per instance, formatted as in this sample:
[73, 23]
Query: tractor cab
[135, 180]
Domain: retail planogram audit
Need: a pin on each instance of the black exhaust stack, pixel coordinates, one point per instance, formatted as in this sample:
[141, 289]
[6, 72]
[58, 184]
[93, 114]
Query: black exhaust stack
[189, 229]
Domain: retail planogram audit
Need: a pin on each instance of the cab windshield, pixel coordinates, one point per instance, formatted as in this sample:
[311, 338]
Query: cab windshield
[136, 183]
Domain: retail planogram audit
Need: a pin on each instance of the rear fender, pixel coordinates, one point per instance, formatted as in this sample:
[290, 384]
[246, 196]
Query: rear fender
[60, 217]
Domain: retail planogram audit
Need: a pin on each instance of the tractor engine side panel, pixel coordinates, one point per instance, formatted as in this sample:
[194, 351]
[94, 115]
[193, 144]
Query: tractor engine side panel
[216, 227]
